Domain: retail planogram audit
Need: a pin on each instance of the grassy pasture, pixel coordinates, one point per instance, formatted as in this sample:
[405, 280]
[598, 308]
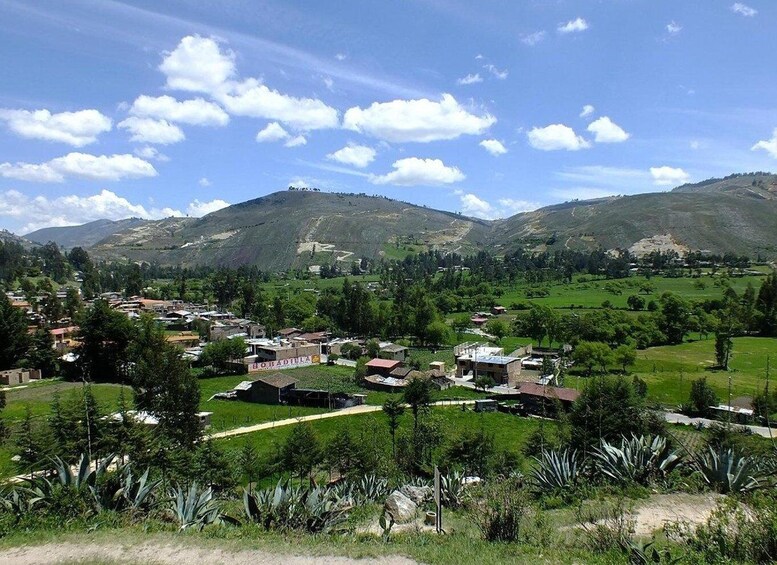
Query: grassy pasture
[592, 293]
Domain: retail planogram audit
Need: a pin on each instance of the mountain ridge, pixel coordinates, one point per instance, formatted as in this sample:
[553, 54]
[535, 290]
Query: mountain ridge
[301, 228]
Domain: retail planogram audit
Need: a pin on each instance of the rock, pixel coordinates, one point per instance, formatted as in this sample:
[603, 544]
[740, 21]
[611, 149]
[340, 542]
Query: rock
[401, 508]
[419, 495]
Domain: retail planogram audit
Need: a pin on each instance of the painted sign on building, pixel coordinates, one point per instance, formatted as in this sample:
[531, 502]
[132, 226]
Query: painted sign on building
[291, 363]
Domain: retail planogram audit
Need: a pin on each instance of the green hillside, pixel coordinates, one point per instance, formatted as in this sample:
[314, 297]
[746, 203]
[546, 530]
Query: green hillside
[297, 229]
[84, 235]
[716, 221]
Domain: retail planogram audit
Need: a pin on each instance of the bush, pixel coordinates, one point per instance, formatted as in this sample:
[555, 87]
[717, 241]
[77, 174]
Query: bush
[700, 398]
[606, 528]
[500, 510]
[733, 534]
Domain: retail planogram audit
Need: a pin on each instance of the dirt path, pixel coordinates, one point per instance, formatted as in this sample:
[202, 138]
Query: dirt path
[363, 409]
[662, 509]
[172, 554]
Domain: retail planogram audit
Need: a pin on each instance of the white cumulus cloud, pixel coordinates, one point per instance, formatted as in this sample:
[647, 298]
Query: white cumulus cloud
[470, 79]
[572, 26]
[196, 112]
[413, 171]
[743, 9]
[493, 146]
[556, 137]
[204, 182]
[198, 209]
[476, 207]
[356, 155]
[669, 176]
[80, 165]
[253, 99]
[587, 110]
[416, 120]
[272, 132]
[768, 145]
[296, 141]
[198, 64]
[149, 130]
[152, 153]
[607, 131]
[74, 128]
[32, 213]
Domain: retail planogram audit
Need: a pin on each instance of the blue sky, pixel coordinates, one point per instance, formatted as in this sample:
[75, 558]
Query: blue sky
[116, 109]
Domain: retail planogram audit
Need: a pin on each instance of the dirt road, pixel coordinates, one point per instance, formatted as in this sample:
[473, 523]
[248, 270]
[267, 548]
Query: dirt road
[172, 553]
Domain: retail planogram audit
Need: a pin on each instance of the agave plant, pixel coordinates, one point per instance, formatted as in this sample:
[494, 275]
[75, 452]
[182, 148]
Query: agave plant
[557, 469]
[289, 507]
[727, 471]
[452, 489]
[196, 508]
[639, 459]
[278, 507]
[371, 488]
[322, 511]
[20, 501]
[86, 474]
[127, 492]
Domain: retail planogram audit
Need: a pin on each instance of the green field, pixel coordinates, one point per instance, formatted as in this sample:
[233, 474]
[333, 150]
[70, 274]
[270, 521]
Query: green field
[592, 293]
[510, 432]
[669, 370]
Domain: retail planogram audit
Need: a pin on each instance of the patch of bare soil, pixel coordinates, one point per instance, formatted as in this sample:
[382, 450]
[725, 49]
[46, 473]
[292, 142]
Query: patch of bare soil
[662, 509]
[663, 242]
[172, 554]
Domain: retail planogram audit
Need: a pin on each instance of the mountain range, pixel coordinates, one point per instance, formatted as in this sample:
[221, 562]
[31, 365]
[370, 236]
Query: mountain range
[296, 228]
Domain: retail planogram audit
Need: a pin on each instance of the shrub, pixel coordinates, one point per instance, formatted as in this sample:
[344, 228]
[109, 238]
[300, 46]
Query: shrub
[500, 511]
[735, 534]
[607, 527]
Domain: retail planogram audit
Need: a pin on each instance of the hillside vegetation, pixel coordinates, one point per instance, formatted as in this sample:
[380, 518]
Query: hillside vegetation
[297, 229]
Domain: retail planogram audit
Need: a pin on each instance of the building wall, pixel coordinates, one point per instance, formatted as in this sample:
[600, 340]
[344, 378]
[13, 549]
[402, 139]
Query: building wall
[277, 354]
[502, 374]
[12, 377]
[263, 393]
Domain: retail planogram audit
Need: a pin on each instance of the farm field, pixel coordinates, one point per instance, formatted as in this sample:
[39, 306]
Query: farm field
[593, 292]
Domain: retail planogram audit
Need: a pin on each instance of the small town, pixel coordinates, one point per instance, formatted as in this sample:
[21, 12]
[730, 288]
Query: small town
[360, 283]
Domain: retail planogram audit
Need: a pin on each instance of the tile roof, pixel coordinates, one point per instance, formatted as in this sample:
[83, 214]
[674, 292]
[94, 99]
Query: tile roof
[382, 363]
[533, 389]
[278, 380]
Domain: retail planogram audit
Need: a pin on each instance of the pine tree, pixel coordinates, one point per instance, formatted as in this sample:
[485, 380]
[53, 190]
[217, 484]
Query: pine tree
[14, 339]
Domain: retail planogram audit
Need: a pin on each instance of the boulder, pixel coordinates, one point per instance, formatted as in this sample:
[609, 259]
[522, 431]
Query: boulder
[419, 495]
[401, 508]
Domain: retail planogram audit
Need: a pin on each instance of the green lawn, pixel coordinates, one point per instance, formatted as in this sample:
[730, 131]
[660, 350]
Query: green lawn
[510, 432]
[668, 370]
